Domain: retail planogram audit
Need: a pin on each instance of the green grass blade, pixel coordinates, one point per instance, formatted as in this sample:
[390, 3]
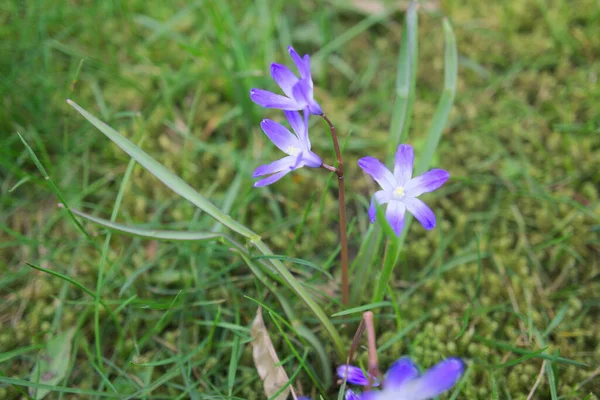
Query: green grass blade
[440, 118]
[405, 80]
[54, 388]
[158, 234]
[365, 307]
[442, 112]
[167, 177]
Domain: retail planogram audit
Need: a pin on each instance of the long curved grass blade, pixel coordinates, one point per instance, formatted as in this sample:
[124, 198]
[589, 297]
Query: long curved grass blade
[405, 79]
[440, 118]
[167, 177]
[442, 112]
[159, 234]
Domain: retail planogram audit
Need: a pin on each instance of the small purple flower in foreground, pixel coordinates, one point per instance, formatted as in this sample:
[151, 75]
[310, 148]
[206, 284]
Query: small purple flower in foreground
[403, 381]
[400, 191]
[297, 148]
[298, 92]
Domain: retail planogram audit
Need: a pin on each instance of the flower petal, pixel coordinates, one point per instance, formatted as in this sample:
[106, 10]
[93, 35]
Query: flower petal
[379, 172]
[280, 135]
[302, 65]
[421, 211]
[353, 375]
[403, 165]
[299, 125]
[275, 166]
[309, 159]
[272, 179]
[401, 371]
[395, 215]
[370, 395]
[428, 182]
[303, 94]
[350, 395]
[284, 78]
[436, 380]
[268, 99]
[381, 197]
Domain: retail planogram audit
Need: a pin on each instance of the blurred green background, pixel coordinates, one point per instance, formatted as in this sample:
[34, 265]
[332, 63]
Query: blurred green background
[508, 280]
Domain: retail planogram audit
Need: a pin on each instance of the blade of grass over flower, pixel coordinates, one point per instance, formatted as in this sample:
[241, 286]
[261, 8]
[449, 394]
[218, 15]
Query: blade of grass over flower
[439, 121]
[167, 177]
[150, 233]
[406, 78]
[362, 308]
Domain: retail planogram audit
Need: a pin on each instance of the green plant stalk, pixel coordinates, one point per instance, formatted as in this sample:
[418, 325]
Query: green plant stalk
[440, 119]
[339, 171]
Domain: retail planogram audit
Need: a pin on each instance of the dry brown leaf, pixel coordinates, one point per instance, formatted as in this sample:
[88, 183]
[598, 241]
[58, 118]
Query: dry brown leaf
[266, 361]
[380, 6]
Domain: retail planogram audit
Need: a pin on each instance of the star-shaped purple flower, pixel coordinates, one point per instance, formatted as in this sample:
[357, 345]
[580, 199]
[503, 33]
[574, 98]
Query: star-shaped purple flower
[399, 191]
[296, 146]
[298, 91]
[404, 382]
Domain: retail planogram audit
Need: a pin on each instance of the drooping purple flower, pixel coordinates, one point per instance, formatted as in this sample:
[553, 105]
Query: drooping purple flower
[403, 381]
[296, 146]
[355, 375]
[298, 91]
[400, 191]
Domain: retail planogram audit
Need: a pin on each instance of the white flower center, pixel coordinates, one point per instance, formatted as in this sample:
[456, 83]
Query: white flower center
[399, 192]
[293, 150]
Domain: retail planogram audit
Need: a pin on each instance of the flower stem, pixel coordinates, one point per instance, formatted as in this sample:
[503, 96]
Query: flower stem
[342, 205]
[373, 361]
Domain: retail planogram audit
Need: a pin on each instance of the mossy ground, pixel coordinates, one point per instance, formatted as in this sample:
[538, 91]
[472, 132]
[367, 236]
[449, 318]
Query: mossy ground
[520, 215]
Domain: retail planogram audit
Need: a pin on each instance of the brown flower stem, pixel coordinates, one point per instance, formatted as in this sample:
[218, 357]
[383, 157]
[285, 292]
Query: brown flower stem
[373, 361]
[342, 206]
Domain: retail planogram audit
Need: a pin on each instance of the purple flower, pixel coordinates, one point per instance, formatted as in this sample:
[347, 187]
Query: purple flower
[297, 148]
[298, 91]
[403, 381]
[400, 192]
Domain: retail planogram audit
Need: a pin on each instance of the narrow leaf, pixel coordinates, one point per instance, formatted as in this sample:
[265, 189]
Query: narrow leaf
[167, 177]
[149, 233]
